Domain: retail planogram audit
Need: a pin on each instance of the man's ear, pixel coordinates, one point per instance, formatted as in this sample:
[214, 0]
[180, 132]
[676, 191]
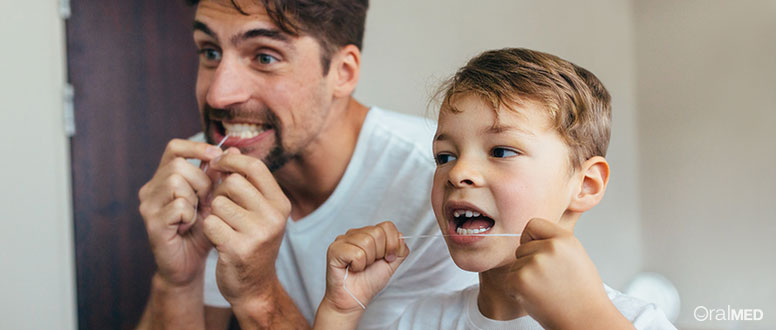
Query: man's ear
[346, 65]
[591, 189]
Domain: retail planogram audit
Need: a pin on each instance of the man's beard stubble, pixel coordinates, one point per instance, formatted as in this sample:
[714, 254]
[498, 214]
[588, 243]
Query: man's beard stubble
[277, 157]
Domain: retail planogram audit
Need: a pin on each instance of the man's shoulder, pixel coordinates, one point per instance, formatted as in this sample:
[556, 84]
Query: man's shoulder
[410, 130]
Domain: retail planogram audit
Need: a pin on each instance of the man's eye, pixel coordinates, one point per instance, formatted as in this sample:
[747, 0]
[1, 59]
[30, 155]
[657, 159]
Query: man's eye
[444, 158]
[210, 55]
[266, 59]
[503, 153]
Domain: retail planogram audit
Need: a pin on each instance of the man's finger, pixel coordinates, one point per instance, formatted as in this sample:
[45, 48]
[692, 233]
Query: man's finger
[537, 229]
[217, 231]
[231, 213]
[255, 171]
[237, 188]
[189, 149]
[197, 179]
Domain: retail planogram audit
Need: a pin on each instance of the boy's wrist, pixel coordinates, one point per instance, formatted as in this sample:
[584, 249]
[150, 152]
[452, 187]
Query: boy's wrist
[329, 316]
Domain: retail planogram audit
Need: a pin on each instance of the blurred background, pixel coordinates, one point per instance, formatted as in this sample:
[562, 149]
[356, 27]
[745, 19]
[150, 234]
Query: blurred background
[691, 195]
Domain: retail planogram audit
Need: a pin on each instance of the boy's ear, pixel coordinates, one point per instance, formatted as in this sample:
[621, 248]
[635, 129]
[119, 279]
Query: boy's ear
[595, 177]
[345, 66]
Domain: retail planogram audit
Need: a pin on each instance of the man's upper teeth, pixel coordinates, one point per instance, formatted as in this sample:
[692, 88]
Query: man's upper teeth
[244, 131]
[467, 213]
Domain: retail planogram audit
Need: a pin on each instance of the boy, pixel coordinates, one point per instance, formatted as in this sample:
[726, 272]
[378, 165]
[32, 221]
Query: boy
[522, 137]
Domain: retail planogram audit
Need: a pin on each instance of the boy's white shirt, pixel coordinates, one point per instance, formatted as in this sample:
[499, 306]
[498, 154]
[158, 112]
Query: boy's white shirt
[388, 178]
[459, 311]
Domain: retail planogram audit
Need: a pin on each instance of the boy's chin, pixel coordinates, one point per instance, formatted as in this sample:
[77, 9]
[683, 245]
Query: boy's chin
[474, 262]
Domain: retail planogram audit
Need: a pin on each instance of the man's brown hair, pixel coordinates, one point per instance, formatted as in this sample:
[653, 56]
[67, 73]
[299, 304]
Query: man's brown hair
[334, 23]
[578, 104]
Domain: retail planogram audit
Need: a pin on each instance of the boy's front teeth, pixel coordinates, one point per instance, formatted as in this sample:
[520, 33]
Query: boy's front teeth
[467, 213]
[462, 231]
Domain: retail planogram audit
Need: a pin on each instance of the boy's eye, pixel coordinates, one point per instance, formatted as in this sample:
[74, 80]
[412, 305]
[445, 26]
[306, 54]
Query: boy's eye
[444, 158]
[266, 59]
[503, 153]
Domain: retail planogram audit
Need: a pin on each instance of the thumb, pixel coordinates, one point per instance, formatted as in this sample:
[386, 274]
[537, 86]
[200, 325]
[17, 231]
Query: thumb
[538, 229]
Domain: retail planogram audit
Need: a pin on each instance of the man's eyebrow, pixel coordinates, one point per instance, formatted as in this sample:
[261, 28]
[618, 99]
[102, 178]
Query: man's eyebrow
[441, 137]
[199, 26]
[258, 33]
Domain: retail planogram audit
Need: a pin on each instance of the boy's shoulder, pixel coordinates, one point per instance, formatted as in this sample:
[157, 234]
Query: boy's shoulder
[642, 314]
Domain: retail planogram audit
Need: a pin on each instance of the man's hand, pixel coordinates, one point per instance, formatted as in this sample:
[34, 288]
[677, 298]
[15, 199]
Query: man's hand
[168, 205]
[248, 216]
[372, 254]
[557, 283]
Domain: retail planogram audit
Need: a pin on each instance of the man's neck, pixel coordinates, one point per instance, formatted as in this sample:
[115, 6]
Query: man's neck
[308, 180]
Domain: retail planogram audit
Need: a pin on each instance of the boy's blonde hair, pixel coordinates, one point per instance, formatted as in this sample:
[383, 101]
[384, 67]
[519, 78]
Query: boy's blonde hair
[578, 104]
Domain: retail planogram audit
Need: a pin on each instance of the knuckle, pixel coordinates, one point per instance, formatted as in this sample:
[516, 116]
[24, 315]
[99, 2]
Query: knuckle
[172, 145]
[180, 204]
[178, 164]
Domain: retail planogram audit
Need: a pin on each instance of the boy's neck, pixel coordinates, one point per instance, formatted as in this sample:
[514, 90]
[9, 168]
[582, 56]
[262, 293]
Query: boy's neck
[493, 300]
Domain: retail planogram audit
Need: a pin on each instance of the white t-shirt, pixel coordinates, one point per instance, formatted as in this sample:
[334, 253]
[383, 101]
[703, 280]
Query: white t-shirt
[388, 178]
[459, 311]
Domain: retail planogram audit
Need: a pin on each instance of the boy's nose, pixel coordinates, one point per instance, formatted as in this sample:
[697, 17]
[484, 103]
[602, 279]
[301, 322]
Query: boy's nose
[465, 174]
[229, 86]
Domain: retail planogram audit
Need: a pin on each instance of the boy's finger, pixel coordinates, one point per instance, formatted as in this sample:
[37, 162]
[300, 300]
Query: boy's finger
[537, 229]
[530, 248]
[391, 240]
[365, 242]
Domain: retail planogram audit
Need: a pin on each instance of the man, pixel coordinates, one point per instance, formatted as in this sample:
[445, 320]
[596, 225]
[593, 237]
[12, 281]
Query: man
[304, 162]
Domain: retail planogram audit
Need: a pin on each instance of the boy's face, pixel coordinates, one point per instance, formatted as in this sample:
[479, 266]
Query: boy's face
[493, 175]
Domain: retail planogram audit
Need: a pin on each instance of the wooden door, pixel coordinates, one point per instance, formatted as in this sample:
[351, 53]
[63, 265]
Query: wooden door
[133, 66]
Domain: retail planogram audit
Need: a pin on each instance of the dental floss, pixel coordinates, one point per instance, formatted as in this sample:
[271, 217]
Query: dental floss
[219, 147]
[439, 235]
[344, 284]
[204, 169]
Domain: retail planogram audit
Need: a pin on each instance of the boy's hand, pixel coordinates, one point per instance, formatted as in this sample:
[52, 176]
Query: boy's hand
[372, 254]
[557, 283]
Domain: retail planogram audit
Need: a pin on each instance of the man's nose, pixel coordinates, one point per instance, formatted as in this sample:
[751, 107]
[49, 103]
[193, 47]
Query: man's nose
[229, 86]
[465, 173]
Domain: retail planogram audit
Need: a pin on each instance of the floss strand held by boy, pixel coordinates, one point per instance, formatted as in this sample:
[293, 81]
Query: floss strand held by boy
[519, 147]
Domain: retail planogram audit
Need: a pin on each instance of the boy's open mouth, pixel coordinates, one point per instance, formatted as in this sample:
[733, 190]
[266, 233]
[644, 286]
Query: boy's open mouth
[469, 220]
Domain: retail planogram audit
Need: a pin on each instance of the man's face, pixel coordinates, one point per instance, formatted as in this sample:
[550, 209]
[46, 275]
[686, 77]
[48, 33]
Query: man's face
[263, 88]
[493, 175]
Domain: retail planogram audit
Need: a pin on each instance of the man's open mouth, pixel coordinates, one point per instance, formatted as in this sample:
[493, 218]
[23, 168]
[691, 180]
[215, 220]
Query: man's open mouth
[470, 221]
[241, 130]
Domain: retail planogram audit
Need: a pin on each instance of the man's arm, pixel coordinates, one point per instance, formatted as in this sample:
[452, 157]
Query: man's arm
[173, 307]
[274, 310]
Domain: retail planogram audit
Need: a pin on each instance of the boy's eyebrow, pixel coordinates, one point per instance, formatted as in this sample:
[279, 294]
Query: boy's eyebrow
[441, 137]
[495, 129]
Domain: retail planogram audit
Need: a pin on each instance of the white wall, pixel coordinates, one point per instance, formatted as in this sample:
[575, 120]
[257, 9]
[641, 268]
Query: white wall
[410, 46]
[36, 265]
[707, 113]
